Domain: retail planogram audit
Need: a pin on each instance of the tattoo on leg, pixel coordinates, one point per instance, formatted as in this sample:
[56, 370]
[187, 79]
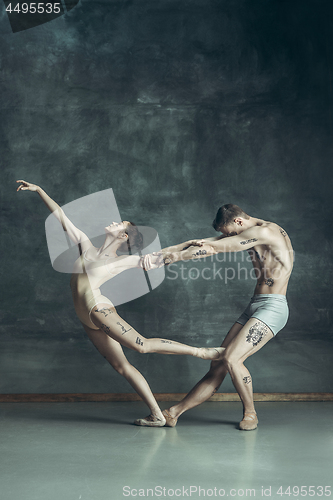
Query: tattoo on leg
[123, 329]
[105, 310]
[138, 341]
[269, 281]
[106, 329]
[247, 380]
[166, 341]
[256, 333]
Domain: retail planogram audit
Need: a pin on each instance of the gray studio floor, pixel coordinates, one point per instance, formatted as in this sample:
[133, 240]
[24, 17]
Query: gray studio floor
[91, 451]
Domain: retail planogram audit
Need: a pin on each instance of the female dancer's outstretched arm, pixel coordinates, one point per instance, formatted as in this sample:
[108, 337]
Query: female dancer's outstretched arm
[75, 234]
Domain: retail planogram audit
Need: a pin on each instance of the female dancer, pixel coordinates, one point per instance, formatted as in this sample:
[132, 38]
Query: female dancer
[105, 328]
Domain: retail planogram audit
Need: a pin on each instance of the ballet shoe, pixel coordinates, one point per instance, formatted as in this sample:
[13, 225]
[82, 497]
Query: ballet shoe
[220, 351]
[249, 422]
[169, 420]
[212, 353]
[150, 421]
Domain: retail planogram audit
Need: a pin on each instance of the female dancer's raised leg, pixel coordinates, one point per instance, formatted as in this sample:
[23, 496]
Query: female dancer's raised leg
[107, 319]
[112, 351]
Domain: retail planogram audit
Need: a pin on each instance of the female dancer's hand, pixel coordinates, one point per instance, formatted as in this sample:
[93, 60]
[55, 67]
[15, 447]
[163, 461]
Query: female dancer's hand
[26, 186]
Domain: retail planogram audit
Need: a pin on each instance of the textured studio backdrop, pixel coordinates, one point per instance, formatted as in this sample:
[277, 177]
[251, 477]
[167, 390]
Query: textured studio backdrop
[179, 107]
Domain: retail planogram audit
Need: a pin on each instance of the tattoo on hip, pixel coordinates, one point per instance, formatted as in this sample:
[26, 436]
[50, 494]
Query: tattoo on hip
[105, 311]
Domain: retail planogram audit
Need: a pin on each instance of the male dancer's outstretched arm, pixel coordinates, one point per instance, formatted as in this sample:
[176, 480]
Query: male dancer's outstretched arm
[196, 249]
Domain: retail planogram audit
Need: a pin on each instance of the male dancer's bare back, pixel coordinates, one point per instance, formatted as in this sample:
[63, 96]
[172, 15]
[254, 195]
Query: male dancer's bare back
[272, 257]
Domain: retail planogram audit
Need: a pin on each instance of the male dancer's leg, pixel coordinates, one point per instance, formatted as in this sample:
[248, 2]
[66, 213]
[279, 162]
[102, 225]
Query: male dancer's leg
[208, 385]
[240, 343]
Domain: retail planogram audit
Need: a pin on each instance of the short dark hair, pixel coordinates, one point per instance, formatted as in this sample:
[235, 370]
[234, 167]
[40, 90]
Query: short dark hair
[227, 214]
[134, 242]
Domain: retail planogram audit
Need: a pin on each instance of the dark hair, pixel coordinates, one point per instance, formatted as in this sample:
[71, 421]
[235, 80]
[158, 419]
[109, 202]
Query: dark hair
[134, 241]
[227, 214]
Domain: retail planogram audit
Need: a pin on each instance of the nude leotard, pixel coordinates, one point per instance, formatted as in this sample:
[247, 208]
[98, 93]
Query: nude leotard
[87, 278]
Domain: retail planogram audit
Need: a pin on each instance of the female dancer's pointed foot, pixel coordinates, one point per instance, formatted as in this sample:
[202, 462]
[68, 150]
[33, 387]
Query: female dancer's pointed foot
[151, 421]
[249, 422]
[170, 421]
[211, 353]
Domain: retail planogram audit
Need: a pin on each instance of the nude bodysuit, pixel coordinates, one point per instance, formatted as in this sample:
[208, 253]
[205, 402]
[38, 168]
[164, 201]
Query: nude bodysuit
[87, 278]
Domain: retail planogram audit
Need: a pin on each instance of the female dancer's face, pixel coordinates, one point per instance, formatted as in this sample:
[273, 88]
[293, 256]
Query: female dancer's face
[116, 228]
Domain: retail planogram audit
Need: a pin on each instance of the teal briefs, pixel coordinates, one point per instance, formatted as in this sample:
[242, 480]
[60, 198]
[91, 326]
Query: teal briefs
[271, 309]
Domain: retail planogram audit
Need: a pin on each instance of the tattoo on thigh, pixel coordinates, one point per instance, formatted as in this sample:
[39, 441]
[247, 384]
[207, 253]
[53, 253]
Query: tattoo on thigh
[105, 310]
[123, 329]
[256, 333]
[166, 341]
[106, 329]
[138, 341]
[247, 380]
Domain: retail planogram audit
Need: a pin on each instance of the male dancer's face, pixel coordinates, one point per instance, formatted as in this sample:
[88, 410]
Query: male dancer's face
[234, 228]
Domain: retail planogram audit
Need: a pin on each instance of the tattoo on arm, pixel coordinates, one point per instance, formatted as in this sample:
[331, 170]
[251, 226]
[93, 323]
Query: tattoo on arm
[245, 242]
[282, 231]
[166, 341]
[256, 333]
[167, 260]
[138, 341]
[199, 252]
[247, 380]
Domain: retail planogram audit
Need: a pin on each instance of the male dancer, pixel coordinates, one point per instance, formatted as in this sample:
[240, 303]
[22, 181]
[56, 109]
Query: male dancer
[272, 256]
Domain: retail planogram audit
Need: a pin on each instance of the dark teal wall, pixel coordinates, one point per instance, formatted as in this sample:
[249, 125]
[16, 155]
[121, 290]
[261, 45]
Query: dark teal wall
[179, 107]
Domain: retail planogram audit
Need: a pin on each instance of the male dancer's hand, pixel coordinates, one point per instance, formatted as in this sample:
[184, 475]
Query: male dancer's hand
[193, 243]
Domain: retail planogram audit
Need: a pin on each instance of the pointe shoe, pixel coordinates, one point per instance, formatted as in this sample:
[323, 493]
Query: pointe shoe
[211, 353]
[169, 420]
[249, 422]
[150, 421]
[220, 352]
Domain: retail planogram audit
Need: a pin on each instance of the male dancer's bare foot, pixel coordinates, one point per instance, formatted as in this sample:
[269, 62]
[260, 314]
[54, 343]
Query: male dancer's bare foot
[151, 421]
[211, 353]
